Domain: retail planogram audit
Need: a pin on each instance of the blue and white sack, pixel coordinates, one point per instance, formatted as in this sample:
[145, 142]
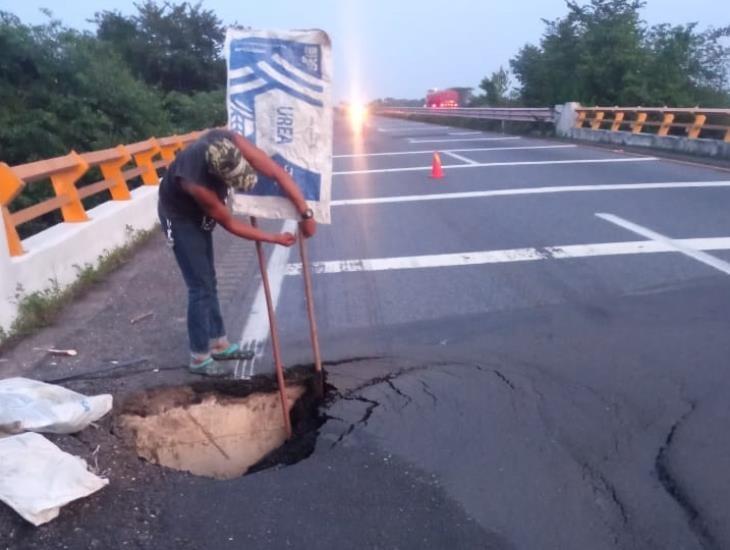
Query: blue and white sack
[279, 98]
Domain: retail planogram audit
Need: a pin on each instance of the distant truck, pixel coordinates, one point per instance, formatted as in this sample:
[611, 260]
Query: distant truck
[442, 99]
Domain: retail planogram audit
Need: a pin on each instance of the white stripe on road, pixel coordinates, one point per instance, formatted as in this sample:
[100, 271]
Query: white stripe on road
[256, 331]
[684, 246]
[489, 164]
[464, 139]
[511, 255]
[459, 157]
[413, 129]
[465, 133]
[532, 191]
[467, 150]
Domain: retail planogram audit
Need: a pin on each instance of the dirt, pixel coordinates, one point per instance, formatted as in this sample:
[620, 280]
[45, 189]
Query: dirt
[212, 435]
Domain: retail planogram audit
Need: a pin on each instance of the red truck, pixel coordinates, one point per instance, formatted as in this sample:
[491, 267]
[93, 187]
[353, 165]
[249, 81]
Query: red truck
[442, 99]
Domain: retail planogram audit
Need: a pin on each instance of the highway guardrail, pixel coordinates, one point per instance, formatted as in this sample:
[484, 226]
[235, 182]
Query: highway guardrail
[64, 172]
[692, 123]
[520, 114]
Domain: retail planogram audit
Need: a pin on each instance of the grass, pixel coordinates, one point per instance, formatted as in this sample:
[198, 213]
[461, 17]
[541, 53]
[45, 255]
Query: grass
[41, 308]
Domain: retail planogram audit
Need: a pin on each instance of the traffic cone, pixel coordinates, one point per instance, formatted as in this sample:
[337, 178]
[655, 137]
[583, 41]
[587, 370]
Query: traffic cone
[437, 171]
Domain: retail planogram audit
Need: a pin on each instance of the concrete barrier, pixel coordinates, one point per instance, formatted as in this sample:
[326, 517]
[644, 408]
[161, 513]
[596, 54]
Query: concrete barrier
[700, 147]
[567, 125]
[55, 256]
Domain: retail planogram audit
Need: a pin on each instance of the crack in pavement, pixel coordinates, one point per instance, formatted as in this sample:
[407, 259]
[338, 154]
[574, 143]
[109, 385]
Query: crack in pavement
[674, 488]
[427, 390]
[504, 379]
[397, 390]
[372, 405]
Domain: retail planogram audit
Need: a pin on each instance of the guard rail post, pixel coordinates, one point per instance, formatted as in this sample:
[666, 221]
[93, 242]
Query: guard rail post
[64, 185]
[143, 158]
[112, 171]
[10, 186]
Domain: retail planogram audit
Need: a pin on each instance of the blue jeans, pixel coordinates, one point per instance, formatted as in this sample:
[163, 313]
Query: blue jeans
[193, 248]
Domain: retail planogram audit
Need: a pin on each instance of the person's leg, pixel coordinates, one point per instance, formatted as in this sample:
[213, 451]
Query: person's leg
[190, 248]
[217, 330]
[220, 347]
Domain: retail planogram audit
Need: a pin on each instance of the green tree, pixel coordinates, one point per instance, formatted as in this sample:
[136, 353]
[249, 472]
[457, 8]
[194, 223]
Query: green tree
[61, 89]
[176, 47]
[496, 89]
[604, 53]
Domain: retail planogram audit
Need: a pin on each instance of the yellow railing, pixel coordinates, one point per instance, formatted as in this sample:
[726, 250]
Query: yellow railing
[64, 173]
[692, 123]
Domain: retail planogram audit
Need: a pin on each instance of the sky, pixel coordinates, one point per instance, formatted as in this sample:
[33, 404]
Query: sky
[396, 48]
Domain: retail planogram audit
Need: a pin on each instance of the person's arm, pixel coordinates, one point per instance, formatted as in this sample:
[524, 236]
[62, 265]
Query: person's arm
[214, 208]
[263, 164]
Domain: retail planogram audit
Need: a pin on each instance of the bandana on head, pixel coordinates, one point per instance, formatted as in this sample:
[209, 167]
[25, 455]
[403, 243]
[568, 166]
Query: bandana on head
[226, 162]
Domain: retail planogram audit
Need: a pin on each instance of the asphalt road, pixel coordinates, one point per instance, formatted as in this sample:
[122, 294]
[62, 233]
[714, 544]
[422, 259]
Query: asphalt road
[568, 389]
[507, 369]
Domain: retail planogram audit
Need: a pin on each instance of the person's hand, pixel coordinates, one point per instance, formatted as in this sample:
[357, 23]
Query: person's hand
[285, 239]
[308, 227]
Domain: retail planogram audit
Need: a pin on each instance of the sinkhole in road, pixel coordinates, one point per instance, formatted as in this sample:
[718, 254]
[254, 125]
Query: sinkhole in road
[223, 429]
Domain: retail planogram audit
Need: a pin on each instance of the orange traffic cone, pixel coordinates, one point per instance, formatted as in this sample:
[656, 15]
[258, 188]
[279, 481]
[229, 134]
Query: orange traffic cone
[437, 171]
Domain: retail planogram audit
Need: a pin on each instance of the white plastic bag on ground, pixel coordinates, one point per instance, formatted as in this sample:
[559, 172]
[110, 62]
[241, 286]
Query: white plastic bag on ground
[37, 478]
[33, 406]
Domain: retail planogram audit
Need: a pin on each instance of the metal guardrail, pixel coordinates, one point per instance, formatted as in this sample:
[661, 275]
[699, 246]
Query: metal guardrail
[692, 123]
[64, 172]
[528, 114]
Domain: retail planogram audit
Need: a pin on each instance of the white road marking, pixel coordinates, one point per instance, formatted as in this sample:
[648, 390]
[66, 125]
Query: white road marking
[256, 331]
[489, 164]
[465, 133]
[467, 150]
[532, 191]
[688, 247]
[512, 255]
[413, 140]
[413, 129]
[459, 157]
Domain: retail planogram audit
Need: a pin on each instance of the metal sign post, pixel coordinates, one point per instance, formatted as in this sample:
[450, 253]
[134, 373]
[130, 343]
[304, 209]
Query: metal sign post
[274, 334]
[313, 333]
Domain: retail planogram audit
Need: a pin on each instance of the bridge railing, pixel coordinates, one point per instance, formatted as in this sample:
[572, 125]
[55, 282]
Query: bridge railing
[521, 114]
[65, 172]
[691, 123]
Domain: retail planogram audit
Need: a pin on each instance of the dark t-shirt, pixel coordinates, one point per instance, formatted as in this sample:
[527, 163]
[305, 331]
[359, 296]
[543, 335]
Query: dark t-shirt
[190, 165]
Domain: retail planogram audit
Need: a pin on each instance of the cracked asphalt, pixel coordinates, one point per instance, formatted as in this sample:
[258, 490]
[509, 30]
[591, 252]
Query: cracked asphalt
[553, 404]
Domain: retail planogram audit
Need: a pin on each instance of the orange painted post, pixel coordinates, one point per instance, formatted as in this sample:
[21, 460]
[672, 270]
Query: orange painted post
[597, 120]
[581, 119]
[112, 170]
[727, 136]
[696, 128]
[639, 123]
[617, 120]
[64, 184]
[666, 124]
[167, 152]
[144, 161]
[10, 186]
[14, 245]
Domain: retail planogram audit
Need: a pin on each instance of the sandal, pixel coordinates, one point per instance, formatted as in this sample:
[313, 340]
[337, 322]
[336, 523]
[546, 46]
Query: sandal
[233, 352]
